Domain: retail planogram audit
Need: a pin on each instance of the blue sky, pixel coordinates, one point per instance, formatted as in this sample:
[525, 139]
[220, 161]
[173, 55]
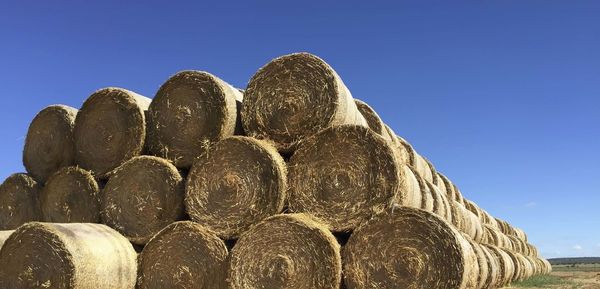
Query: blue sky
[502, 96]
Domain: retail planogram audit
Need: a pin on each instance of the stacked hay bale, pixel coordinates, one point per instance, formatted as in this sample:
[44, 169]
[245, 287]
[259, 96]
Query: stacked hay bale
[204, 178]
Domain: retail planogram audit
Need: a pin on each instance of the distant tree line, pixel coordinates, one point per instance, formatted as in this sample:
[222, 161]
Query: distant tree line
[579, 260]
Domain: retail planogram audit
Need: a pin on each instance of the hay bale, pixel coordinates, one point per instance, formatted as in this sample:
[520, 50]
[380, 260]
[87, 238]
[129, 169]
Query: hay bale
[518, 263]
[532, 250]
[191, 110]
[143, 195]
[236, 183]
[343, 187]
[19, 201]
[482, 263]
[409, 194]
[110, 129]
[4, 236]
[51, 255]
[408, 248]
[494, 237]
[493, 268]
[49, 142]
[183, 255]
[295, 96]
[427, 201]
[470, 224]
[506, 265]
[71, 196]
[441, 184]
[301, 253]
[373, 120]
[448, 186]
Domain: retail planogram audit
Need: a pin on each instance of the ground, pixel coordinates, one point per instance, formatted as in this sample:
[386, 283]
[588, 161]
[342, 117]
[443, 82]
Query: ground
[583, 276]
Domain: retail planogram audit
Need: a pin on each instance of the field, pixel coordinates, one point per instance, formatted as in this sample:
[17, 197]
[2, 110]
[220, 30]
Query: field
[567, 276]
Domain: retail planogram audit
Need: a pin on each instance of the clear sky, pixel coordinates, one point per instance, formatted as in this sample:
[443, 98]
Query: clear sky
[502, 96]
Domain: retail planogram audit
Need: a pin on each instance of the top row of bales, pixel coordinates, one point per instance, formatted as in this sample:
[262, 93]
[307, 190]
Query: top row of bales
[287, 100]
[290, 98]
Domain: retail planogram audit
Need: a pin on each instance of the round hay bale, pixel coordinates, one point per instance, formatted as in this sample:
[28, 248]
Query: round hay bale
[142, 196]
[183, 255]
[441, 205]
[49, 142]
[482, 263]
[517, 244]
[4, 236]
[531, 267]
[110, 129]
[532, 250]
[470, 224]
[402, 153]
[518, 263]
[373, 120]
[408, 248]
[191, 110]
[19, 201]
[507, 267]
[343, 187]
[409, 194]
[236, 183]
[547, 267]
[449, 187]
[521, 234]
[493, 268]
[471, 206]
[458, 195]
[421, 165]
[301, 253]
[427, 201]
[71, 196]
[295, 96]
[496, 238]
[440, 183]
[51, 255]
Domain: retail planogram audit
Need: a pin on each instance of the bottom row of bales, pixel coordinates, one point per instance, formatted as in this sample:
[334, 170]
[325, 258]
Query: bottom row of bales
[400, 248]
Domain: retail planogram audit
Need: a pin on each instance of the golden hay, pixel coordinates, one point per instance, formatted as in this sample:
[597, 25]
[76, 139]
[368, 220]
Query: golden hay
[295, 96]
[191, 110]
[236, 183]
[49, 142]
[286, 251]
[52, 255]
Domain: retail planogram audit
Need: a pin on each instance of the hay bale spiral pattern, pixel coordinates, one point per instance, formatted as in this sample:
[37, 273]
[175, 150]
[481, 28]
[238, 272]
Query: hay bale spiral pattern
[236, 183]
[143, 196]
[191, 110]
[183, 255]
[343, 187]
[408, 248]
[295, 96]
[301, 253]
